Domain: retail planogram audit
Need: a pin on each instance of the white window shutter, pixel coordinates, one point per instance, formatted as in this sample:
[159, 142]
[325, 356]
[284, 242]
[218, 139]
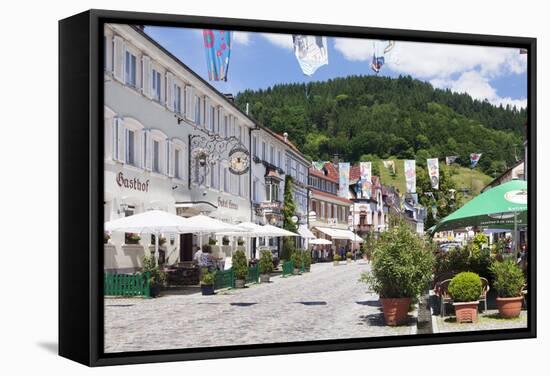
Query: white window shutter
[170, 91]
[149, 151]
[118, 69]
[170, 158]
[114, 139]
[147, 79]
[126, 143]
[120, 140]
[207, 113]
[190, 107]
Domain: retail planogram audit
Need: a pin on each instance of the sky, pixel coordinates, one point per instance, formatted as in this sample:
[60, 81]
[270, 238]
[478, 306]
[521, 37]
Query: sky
[260, 60]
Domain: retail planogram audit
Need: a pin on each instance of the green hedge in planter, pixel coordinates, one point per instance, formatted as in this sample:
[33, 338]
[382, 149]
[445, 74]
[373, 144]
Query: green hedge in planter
[306, 255]
[266, 262]
[508, 278]
[296, 258]
[402, 264]
[239, 265]
[465, 287]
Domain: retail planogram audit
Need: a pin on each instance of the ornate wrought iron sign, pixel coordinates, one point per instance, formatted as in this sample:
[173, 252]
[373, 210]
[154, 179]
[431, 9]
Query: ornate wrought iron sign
[205, 150]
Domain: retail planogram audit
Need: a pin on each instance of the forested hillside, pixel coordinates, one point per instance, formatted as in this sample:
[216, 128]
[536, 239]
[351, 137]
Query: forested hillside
[370, 117]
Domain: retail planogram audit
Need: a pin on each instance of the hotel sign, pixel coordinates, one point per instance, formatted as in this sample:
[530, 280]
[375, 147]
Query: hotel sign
[132, 183]
[225, 203]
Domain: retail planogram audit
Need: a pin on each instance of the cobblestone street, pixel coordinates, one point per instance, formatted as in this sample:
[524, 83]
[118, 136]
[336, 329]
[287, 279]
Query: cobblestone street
[327, 303]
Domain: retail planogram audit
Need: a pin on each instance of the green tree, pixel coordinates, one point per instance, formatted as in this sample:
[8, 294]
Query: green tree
[289, 210]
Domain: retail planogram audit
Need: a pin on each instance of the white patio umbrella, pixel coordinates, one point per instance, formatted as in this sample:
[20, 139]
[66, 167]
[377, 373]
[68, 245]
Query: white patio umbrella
[276, 231]
[150, 222]
[320, 241]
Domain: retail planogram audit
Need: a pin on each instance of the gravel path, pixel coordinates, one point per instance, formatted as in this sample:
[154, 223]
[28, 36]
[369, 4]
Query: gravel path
[327, 303]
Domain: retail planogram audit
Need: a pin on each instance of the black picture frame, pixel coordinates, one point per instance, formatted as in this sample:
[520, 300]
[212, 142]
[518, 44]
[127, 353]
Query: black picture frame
[81, 186]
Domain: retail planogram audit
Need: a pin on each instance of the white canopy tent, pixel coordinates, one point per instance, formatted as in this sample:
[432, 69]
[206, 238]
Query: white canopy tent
[320, 242]
[336, 233]
[150, 222]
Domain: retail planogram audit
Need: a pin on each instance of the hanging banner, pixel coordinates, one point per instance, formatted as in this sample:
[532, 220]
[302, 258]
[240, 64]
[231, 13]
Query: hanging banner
[311, 52]
[217, 45]
[318, 165]
[474, 158]
[390, 165]
[410, 175]
[450, 159]
[366, 179]
[433, 172]
[343, 172]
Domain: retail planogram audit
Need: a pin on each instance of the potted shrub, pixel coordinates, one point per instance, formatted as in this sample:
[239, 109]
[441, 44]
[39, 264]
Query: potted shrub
[240, 242]
[240, 268]
[207, 283]
[157, 278]
[336, 259]
[225, 240]
[508, 282]
[212, 241]
[465, 289]
[265, 265]
[306, 257]
[401, 270]
[296, 258]
[349, 256]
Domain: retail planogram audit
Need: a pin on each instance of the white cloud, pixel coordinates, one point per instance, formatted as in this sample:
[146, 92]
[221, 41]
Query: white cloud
[479, 87]
[240, 37]
[438, 63]
[280, 40]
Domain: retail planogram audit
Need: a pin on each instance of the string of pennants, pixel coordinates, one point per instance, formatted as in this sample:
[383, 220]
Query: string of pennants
[311, 52]
[364, 183]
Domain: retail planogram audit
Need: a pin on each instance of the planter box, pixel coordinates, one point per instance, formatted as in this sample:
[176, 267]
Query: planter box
[239, 283]
[264, 278]
[395, 310]
[509, 308]
[466, 311]
[207, 289]
[296, 271]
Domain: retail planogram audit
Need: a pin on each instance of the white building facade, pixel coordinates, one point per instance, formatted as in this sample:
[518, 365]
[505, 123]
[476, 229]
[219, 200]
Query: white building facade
[161, 123]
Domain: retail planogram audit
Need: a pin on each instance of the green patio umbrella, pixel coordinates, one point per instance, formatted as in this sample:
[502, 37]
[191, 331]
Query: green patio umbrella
[501, 207]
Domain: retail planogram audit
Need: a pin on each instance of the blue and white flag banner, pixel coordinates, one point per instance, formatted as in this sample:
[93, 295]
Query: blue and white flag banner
[450, 159]
[474, 158]
[311, 52]
[343, 173]
[410, 175]
[217, 45]
[433, 172]
[366, 179]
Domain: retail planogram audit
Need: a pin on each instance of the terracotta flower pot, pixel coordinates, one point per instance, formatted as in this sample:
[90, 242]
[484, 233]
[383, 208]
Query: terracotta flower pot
[509, 307]
[395, 310]
[466, 311]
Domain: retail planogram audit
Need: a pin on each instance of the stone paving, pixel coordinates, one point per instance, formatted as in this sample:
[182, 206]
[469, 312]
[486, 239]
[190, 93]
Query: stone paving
[489, 320]
[327, 303]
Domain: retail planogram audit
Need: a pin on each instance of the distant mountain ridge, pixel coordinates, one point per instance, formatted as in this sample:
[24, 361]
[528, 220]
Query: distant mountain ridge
[371, 117]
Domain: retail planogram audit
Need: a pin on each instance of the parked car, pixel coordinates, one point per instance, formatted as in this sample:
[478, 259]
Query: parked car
[445, 247]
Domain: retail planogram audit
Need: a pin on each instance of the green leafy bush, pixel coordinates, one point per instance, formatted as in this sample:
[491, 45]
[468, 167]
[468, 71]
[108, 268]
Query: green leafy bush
[465, 287]
[212, 241]
[240, 242]
[156, 276]
[288, 248]
[349, 255]
[306, 256]
[508, 278]
[239, 264]
[296, 258]
[266, 262]
[208, 279]
[336, 257]
[402, 264]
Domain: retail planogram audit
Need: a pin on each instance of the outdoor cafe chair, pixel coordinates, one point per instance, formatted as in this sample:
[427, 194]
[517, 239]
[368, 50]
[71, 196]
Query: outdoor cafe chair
[442, 290]
[484, 290]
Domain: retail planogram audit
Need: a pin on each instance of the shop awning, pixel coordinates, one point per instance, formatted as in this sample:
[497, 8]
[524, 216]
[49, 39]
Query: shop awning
[336, 233]
[305, 232]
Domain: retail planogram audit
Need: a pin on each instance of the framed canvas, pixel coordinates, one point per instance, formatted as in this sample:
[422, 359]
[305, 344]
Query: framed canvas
[234, 187]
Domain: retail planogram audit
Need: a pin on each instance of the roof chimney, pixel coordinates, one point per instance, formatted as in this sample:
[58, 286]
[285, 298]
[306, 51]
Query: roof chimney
[285, 135]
